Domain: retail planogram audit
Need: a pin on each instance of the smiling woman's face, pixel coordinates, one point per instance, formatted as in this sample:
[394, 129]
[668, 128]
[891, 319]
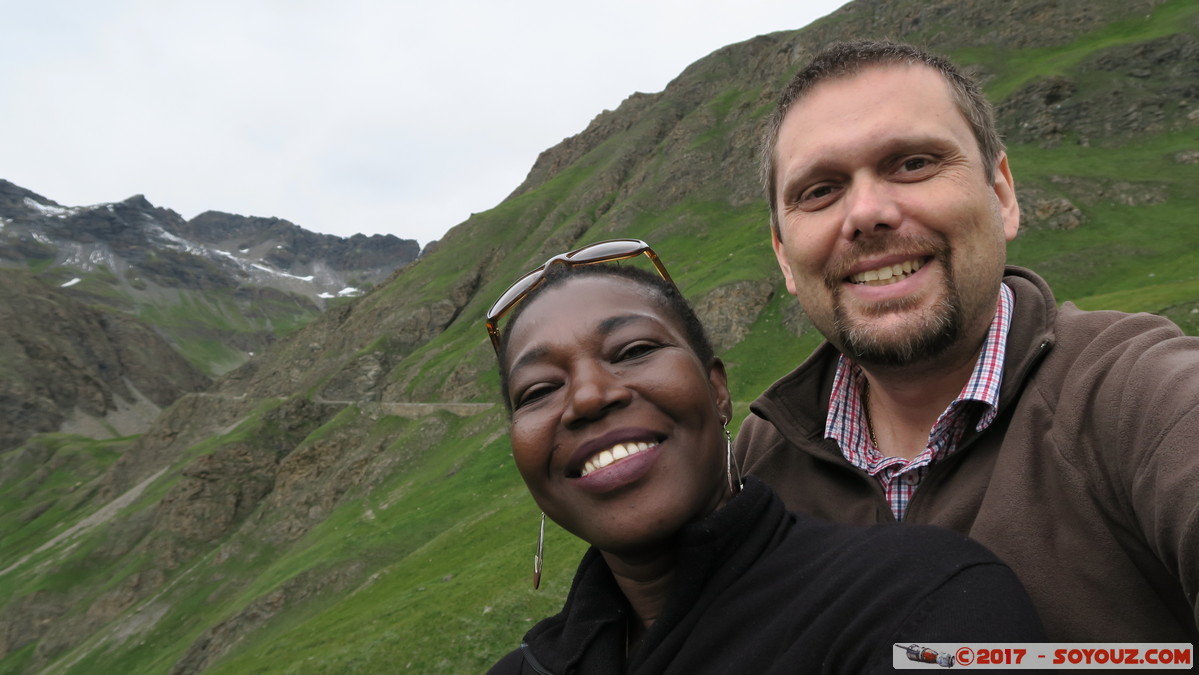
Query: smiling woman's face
[616, 424]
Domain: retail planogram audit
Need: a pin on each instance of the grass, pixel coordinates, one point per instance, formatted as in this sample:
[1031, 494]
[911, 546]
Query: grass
[1018, 67]
[435, 576]
[754, 363]
[407, 551]
[207, 327]
[1155, 298]
[1120, 247]
[50, 473]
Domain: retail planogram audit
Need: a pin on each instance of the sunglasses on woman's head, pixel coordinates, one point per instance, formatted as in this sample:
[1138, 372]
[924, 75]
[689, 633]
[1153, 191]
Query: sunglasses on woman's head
[600, 252]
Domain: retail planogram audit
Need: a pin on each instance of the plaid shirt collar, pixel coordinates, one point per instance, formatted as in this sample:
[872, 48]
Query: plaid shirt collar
[846, 422]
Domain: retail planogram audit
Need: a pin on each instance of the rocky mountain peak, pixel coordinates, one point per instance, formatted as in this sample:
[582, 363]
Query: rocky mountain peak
[219, 286]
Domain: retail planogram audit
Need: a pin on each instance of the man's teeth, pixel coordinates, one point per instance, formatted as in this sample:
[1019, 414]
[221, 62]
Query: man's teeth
[614, 454]
[887, 275]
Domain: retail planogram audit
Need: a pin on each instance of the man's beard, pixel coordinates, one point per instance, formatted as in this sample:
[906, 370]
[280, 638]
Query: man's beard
[926, 337]
[939, 329]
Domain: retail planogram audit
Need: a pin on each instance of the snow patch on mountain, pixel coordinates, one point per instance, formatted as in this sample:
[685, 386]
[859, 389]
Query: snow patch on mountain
[174, 241]
[284, 275]
[347, 292]
[47, 210]
[90, 257]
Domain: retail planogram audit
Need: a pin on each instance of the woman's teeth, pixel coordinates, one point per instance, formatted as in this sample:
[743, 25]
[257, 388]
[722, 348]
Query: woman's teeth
[614, 454]
[887, 275]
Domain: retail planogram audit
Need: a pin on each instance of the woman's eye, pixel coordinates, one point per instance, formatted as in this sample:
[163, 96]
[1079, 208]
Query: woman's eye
[533, 394]
[635, 350]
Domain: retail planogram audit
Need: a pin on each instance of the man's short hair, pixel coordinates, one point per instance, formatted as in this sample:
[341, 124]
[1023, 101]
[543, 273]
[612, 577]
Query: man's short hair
[844, 59]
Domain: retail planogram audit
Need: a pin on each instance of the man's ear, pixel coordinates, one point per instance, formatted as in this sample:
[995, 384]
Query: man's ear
[1005, 190]
[781, 256]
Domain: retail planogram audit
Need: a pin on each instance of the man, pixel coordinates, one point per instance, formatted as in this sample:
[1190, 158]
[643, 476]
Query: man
[952, 390]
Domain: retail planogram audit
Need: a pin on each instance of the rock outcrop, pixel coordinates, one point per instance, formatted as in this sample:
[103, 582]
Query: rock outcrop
[66, 361]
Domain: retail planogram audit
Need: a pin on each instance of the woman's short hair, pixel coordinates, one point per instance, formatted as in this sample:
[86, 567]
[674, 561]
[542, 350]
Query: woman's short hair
[670, 300]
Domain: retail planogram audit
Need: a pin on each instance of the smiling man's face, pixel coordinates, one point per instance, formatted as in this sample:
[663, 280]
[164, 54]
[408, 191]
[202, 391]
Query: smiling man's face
[890, 234]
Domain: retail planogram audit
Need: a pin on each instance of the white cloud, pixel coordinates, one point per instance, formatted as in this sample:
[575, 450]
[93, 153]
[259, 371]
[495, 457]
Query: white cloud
[348, 116]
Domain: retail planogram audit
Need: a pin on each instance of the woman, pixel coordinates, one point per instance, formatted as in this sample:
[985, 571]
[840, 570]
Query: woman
[617, 413]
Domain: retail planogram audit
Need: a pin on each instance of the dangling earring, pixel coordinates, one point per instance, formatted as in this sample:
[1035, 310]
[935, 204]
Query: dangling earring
[735, 484]
[538, 559]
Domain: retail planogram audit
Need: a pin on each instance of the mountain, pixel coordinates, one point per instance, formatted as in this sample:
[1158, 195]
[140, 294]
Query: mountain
[346, 500]
[219, 286]
[80, 368]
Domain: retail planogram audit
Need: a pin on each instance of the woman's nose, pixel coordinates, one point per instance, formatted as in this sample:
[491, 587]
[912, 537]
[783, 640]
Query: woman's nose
[593, 393]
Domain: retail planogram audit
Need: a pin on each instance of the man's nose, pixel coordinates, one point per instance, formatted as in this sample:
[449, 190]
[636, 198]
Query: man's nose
[870, 207]
[593, 393]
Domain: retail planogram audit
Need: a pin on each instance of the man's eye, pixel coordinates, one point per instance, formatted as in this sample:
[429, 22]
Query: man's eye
[916, 165]
[817, 196]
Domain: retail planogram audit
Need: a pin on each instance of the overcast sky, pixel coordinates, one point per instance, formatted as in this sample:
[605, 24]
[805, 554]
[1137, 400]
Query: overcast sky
[342, 116]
